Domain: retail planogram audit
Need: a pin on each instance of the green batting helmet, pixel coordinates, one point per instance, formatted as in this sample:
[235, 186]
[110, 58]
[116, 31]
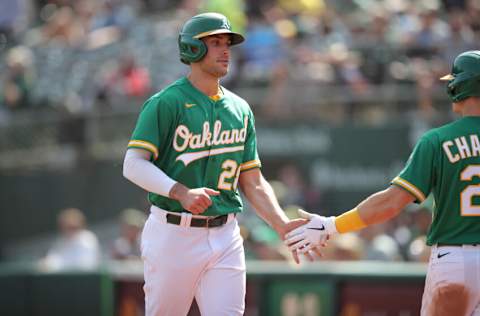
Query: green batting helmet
[464, 80]
[192, 48]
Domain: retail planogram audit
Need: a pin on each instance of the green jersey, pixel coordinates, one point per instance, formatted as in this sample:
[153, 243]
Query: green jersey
[446, 161]
[198, 142]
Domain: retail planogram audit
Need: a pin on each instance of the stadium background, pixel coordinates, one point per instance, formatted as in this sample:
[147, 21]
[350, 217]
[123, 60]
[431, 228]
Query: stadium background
[341, 90]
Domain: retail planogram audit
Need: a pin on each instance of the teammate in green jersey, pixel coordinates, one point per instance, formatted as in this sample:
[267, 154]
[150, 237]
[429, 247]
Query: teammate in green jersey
[193, 146]
[445, 162]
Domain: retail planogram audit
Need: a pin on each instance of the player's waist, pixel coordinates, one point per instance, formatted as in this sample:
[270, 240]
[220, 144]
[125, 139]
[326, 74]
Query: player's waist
[222, 204]
[475, 245]
[187, 219]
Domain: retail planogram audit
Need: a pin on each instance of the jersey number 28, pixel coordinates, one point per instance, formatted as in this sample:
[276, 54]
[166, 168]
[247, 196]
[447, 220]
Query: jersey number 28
[228, 179]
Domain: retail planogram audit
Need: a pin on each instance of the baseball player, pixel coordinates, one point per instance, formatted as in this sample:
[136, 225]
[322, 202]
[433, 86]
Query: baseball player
[193, 146]
[445, 162]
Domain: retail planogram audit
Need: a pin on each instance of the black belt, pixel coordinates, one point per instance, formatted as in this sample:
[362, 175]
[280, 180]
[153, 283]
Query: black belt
[199, 222]
[457, 245]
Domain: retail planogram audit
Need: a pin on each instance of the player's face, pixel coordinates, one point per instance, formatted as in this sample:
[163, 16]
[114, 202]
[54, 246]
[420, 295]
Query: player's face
[218, 56]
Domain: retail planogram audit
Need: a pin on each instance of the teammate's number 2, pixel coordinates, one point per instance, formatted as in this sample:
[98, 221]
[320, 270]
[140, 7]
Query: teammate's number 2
[229, 177]
[467, 195]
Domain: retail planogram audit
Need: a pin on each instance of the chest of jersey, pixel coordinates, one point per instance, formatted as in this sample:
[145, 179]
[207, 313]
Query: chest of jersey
[204, 130]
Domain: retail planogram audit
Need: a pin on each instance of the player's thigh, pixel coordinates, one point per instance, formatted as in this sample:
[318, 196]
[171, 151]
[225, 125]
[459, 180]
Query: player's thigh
[476, 312]
[221, 290]
[446, 289]
[171, 275]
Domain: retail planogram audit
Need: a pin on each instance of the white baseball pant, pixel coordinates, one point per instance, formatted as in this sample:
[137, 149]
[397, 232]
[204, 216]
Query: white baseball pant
[182, 262]
[452, 286]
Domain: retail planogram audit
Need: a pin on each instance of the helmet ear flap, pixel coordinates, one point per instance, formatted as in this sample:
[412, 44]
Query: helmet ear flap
[451, 91]
[463, 86]
[191, 49]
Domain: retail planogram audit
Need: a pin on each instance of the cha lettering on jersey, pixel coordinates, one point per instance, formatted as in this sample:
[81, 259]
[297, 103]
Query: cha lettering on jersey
[184, 139]
[463, 147]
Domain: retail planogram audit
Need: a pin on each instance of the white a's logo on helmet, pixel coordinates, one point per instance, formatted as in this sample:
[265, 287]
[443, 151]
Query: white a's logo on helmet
[226, 25]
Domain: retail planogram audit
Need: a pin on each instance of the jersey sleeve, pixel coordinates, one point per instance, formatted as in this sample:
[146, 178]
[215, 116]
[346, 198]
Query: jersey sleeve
[418, 177]
[250, 155]
[148, 134]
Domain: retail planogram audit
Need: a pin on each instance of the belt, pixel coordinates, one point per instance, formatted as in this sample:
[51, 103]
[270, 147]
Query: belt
[199, 222]
[457, 245]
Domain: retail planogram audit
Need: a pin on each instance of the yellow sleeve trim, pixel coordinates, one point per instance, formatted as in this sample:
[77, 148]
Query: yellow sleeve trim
[410, 188]
[144, 145]
[349, 221]
[250, 165]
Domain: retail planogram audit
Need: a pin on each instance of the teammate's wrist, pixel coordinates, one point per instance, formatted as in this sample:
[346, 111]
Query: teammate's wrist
[330, 226]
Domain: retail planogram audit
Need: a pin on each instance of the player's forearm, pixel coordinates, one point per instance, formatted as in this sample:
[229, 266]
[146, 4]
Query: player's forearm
[377, 208]
[145, 174]
[263, 200]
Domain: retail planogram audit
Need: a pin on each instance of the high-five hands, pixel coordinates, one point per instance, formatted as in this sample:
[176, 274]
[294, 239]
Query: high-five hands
[312, 235]
[292, 225]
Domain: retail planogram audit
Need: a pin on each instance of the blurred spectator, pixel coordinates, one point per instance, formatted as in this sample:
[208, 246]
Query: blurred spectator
[14, 18]
[311, 7]
[421, 220]
[372, 39]
[430, 36]
[264, 51]
[297, 190]
[127, 245]
[418, 250]
[76, 247]
[473, 17]
[122, 83]
[462, 37]
[344, 247]
[261, 243]
[379, 245]
[113, 13]
[18, 80]
[64, 27]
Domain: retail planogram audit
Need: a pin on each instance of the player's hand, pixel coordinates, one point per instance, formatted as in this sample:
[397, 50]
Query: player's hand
[311, 235]
[294, 223]
[313, 253]
[196, 200]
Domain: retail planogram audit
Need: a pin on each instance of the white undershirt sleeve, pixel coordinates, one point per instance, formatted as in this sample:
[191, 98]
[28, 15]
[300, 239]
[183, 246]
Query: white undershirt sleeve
[140, 170]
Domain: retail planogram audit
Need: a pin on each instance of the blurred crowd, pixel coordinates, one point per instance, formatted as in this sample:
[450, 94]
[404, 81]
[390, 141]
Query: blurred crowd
[78, 247]
[84, 55]
[79, 56]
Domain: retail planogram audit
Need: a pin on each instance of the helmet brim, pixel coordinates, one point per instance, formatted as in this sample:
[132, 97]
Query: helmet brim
[447, 77]
[237, 38]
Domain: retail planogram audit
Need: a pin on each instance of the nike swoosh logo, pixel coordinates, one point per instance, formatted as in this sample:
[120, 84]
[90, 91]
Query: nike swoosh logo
[189, 105]
[442, 254]
[317, 228]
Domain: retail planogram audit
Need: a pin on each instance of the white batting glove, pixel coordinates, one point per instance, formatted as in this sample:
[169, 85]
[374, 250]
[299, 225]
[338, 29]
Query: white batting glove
[313, 234]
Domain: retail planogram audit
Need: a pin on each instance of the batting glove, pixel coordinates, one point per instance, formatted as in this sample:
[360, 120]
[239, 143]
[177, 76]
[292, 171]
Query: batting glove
[313, 234]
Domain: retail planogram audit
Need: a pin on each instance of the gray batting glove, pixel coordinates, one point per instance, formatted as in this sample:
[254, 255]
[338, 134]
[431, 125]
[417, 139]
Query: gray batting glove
[313, 234]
